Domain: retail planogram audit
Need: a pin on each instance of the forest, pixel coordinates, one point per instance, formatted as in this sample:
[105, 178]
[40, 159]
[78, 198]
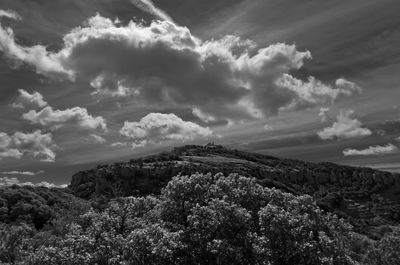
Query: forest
[196, 219]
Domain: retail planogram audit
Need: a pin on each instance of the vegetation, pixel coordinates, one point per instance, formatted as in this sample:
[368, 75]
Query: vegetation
[197, 219]
[251, 209]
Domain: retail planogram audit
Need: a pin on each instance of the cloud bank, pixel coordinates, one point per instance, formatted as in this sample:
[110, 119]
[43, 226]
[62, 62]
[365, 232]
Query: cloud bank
[6, 181]
[163, 64]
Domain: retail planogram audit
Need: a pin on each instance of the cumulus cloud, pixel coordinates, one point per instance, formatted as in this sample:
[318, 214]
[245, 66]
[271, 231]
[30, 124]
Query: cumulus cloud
[37, 56]
[149, 7]
[29, 100]
[372, 150]
[6, 181]
[24, 173]
[59, 118]
[163, 64]
[9, 14]
[158, 127]
[314, 92]
[345, 127]
[37, 144]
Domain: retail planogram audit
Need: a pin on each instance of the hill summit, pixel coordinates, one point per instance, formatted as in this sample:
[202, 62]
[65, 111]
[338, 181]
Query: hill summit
[368, 197]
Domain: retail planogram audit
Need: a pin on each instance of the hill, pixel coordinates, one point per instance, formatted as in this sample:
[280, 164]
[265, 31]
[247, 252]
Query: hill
[240, 208]
[369, 198]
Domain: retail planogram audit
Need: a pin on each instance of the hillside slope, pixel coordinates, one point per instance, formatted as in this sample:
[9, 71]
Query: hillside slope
[369, 198]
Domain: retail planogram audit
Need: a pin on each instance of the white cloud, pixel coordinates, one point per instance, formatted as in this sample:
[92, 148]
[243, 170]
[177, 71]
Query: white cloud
[59, 118]
[119, 144]
[158, 127]
[323, 114]
[97, 139]
[314, 92]
[347, 87]
[5, 140]
[36, 144]
[148, 6]
[106, 86]
[268, 127]
[37, 56]
[32, 100]
[10, 153]
[9, 14]
[345, 127]
[24, 173]
[163, 64]
[372, 150]
[6, 181]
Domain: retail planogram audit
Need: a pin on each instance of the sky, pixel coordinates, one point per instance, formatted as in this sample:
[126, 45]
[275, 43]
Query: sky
[93, 82]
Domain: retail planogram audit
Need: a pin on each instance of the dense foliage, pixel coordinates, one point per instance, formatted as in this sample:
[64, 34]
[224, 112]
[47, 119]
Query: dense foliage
[197, 219]
[37, 205]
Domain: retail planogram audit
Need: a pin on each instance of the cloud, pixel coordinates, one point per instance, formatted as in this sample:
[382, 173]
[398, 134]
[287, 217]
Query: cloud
[344, 128]
[149, 7]
[29, 100]
[37, 56]
[158, 127]
[5, 181]
[314, 92]
[323, 114]
[37, 144]
[59, 118]
[9, 14]
[372, 150]
[268, 127]
[119, 144]
[111, 87]
[5, 140]
[164, 65]
[24, 173]
[10, 153]
[98, 139]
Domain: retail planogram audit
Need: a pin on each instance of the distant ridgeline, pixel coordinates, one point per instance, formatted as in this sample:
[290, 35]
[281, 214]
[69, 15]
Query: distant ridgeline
[367, 197]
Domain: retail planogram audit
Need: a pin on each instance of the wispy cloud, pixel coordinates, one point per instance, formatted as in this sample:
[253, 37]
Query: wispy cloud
[149, 7]
[9, 14]
[24, 173]
[372, 150]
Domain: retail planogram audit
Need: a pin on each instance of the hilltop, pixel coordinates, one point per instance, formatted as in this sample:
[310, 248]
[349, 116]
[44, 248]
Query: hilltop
[368, 198]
